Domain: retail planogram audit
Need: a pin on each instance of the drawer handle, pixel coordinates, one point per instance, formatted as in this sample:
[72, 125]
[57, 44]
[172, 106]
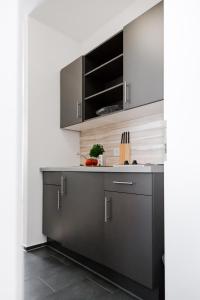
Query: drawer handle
[123, 182]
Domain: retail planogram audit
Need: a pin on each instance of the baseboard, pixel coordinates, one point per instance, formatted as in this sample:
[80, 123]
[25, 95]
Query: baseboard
[35, 247]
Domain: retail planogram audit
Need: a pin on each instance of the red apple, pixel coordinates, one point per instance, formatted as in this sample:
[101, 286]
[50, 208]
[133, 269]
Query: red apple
[94, 162]
[91, 162]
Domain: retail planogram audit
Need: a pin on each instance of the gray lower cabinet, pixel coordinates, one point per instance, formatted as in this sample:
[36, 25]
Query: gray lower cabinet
[113, 219]
[128, 236]
[83, 211]
[143, 58]
[71, 94]
[52, 212]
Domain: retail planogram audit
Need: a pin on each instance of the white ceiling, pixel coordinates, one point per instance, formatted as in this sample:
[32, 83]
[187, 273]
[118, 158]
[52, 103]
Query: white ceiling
[79, 19]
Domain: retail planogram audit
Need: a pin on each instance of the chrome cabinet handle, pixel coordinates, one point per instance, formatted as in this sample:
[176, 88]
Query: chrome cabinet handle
[58, 200]
[106, 215]
[78, 110]
[123, 182]
[80, 105]
[106, 211]
[62, 179]
[125, 92]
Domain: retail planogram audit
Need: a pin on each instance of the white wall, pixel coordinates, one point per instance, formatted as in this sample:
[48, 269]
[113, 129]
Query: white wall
[182, 171]
[9, 248]
[116, 24]
[46, 144]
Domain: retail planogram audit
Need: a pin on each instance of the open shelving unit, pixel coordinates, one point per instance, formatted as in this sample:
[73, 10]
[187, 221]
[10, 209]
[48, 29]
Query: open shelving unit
[103, 77]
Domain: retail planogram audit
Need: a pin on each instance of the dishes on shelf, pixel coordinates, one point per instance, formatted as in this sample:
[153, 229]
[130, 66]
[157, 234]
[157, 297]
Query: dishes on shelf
[108, 109]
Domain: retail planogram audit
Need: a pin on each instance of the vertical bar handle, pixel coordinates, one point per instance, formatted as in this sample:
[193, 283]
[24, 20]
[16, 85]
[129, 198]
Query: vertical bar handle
[58, 199]
[107, 216]
[106, 210]
[125, 92]
[62, 179]
[80, 106]
[78, 109]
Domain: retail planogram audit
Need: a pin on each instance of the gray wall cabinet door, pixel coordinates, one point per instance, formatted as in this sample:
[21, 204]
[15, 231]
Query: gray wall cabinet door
[143, 58]
[52, 212]
[128, 235]
[71, 94]
[84, 214]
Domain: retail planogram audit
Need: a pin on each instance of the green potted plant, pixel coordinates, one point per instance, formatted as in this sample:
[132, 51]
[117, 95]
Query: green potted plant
[96, 151]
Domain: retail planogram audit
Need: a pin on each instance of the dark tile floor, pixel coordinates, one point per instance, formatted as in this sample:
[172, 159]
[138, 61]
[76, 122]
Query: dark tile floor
[51, 276]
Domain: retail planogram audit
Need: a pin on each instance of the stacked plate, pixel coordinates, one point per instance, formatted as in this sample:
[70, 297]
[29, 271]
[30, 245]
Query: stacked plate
[108, 109]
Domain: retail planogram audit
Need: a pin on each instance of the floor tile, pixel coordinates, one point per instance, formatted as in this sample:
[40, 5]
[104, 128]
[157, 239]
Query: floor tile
[42, 267]
[41, 252]
[60, 257]
[118, 295]
[103, 283]
[35, 289]
[66, 276]
[49, 275]
[84, 290]
[46, 252]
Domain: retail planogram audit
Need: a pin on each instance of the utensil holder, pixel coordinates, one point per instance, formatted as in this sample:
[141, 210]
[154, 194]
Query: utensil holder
[124, 153]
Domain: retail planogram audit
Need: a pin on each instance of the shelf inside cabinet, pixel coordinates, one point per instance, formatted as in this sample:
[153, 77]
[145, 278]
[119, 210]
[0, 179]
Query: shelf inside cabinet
[113, 65]
[109, 75]
[108, 90]
[105, 52]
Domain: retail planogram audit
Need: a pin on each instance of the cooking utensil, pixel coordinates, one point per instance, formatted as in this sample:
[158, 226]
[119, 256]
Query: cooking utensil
[125, 149]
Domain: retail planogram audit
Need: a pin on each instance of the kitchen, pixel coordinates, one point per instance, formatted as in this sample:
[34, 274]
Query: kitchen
[39, 39]
[107, 218]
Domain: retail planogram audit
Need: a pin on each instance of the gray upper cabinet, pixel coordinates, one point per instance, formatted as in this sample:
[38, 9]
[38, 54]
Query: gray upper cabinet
[143, 58]
[126, 71]
[71, 94]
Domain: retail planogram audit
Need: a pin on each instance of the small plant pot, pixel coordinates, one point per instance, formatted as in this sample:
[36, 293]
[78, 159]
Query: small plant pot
[91, 162]
[94, 162]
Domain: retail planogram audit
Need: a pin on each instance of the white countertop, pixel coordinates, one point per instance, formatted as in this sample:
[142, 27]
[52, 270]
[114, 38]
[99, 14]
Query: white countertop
[118, 169]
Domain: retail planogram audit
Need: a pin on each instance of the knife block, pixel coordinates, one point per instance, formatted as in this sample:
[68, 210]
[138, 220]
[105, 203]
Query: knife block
[124, 153]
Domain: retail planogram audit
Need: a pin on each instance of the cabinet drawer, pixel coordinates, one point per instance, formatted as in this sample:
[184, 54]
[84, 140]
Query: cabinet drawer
[137, 183]
[53, 178]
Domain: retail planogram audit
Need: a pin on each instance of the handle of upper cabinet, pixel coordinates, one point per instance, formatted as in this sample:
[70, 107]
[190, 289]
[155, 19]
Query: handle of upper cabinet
[78, 109]
[125, 92]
